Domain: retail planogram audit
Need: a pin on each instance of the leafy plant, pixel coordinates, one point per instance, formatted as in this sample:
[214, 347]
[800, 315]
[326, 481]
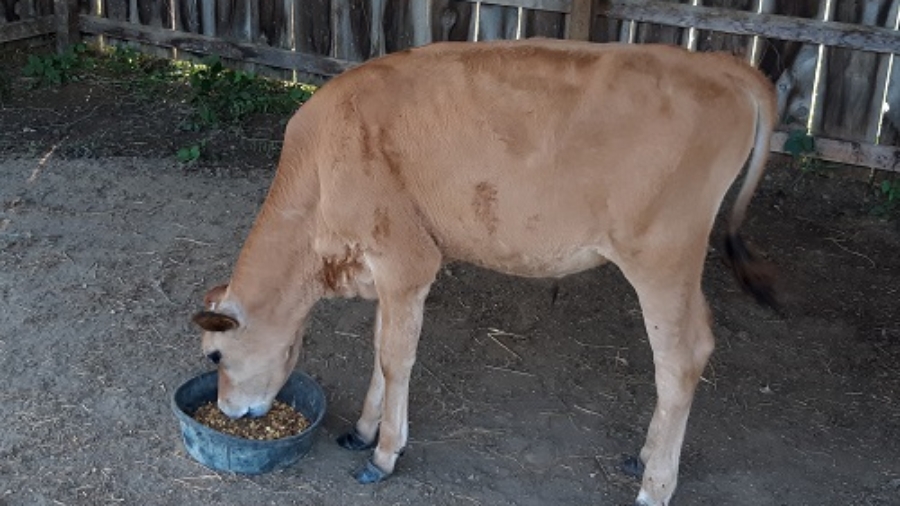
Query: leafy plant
[222, 95]
[889, 191]
[189, 154]
[56, 69]
[214, 94]
[802, 146]
[799, 143]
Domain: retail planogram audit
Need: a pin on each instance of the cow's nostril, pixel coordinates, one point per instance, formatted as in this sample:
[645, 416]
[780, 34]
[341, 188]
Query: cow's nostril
[215, 357]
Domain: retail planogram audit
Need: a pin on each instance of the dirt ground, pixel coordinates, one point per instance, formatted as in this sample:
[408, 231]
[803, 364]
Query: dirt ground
[107, 245]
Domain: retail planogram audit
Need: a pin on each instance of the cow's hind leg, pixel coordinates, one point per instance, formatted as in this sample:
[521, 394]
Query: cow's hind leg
[677, 320]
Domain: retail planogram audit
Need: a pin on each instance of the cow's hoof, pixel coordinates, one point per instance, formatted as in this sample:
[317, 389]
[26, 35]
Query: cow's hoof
[353, 441]
[632, 466]
[643, 499]
[370, 473]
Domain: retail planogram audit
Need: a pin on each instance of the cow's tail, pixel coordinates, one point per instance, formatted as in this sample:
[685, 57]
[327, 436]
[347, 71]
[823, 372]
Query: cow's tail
[755, 275]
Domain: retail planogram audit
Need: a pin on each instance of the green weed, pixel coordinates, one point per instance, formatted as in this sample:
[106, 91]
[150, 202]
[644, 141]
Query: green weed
[222, 95]
[190, 154]
[57, 69]
[213, 94]
[889, 191]
[802, 146]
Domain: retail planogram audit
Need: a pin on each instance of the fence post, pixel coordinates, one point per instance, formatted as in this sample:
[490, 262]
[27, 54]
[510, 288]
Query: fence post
[67, 33]
[579, 20]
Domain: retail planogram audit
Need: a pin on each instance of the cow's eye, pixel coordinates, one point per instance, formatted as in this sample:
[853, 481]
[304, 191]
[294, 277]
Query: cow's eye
[215, 356]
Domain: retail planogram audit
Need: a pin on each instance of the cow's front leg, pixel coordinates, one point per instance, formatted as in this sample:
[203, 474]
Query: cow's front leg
[397, 335]
[364, 434]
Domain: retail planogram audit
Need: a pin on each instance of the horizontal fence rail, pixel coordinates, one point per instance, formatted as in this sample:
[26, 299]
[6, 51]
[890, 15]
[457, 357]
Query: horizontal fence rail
[735, 22]
[195, 43]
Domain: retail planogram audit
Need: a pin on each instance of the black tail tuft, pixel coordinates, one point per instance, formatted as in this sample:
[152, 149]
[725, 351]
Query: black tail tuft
[755, 276]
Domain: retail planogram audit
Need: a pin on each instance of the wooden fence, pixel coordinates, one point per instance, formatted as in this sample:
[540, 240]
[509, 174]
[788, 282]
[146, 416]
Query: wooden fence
[832, 60]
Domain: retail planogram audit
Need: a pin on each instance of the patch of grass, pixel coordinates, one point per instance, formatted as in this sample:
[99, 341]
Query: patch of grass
[211, 95]
[222, 95]
[57, 69]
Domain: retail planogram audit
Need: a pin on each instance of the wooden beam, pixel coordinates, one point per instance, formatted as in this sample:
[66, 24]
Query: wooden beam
[564, 6]
[579, 20]
[66, 14]
[243, 51]
[853, 153]
[34, 27]
[829, 33]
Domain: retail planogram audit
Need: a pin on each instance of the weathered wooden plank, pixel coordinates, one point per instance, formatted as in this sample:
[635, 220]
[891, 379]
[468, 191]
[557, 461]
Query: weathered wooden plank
[564, 6]
[884, 77]
[852, 79]
[547, 24]
[34, 27]
[708, 40]
[243, 51]
[66, 15]
[273, 24]
[208, 17]
[422, 14]
[846, 35]
[853, 153]
[344, 44]
[579, 19]
[43, 8]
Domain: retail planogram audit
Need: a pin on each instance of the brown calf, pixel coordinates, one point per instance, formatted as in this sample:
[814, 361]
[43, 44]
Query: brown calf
[534, 158]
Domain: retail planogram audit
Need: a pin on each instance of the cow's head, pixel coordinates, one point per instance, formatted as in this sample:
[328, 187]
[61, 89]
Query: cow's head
[254, 357]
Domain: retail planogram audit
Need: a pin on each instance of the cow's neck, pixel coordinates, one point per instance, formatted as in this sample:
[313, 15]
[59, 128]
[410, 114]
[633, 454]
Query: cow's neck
[277, 277]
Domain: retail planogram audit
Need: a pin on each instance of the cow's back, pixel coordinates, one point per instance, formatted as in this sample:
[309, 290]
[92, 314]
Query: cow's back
[519, 154]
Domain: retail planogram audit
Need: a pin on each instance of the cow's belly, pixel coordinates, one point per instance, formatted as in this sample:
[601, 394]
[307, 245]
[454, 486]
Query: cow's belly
[536, 263]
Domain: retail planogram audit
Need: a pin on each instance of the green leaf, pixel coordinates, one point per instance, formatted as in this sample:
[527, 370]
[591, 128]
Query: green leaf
[799, 143]
[188, 154]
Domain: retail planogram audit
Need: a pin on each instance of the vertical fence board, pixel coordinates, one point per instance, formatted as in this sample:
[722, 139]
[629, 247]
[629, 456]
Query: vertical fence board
[578, 21]
[313, 26]
[889, 89]
[272, 24]
[458, 30]
[852, 76]
[495, 22]
[654, 33]
[717, 41]
[67, 33]
[208, 17]
[188, 16]
[551, 24]
[45, 8]
[422, 21]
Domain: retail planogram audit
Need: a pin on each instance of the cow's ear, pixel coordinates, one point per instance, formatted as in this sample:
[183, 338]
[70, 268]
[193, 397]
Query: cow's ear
[214, 296]
[215, 322]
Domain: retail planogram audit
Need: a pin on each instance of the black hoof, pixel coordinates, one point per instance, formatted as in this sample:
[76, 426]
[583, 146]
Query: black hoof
[370, 473]
[354, 442]
[632, 466]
